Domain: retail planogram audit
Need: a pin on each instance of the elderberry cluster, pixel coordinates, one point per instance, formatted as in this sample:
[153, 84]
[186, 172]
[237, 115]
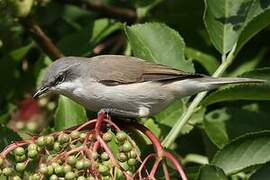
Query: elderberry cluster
[71, 155]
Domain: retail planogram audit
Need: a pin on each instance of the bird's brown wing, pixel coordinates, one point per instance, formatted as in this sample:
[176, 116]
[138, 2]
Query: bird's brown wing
[116, 70]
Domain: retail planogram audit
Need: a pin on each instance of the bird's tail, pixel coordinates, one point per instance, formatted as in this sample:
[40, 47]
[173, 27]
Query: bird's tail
[216, 82]
[193, 86]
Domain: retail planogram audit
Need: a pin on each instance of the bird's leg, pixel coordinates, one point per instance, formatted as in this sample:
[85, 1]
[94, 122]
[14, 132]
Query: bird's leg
[100, 119]
[120, 112]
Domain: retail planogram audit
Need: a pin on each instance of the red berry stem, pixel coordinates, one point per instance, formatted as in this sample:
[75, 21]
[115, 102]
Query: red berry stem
[13, 146]
[176, 164]
[161, 153]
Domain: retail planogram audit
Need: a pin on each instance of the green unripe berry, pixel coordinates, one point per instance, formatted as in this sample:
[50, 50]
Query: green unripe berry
[32, 153]
[86, 163]
[106, 177]
[132, 162]
[122, 157]
[75, 134]
[79, 164]
[91, 178]
[43, 169]
[34, 177]
[49, 140]
[19, 151]
[121, 136]
[132, 154]
[57, 146]
[70, 175]
[107, 163]
[54, 165]
[41, 141]
[127, 147]
[63, 138]
[53, 177]
[107, 136]
[59, 170]
[20, 158]
[104, 156]
[71, 160]
[81, 178]
[83, 135]
[16, 178]
[103, 170]
[20, 167]
[67, 168]
[49, 170]
[7, 171]
[32, 147]
[95, 155]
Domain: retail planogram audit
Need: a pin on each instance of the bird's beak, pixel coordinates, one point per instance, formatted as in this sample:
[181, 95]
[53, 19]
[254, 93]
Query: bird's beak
[41, 91]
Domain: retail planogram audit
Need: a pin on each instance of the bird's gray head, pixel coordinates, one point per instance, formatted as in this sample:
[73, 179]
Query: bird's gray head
[59, 76]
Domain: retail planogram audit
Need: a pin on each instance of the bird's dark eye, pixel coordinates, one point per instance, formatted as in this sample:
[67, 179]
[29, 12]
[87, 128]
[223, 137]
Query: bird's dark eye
[60, 79]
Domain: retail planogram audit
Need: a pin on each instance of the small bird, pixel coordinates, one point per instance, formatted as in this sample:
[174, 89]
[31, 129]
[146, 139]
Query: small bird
[125, 86]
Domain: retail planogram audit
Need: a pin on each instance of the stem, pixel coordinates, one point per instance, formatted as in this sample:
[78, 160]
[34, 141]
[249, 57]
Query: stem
[44, 42]
[108, 11]
[175, 131]
[165, 170]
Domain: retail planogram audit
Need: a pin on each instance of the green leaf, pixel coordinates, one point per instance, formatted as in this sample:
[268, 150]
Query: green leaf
[255, 26]
[184, 16]
[222, 125]
[7, 137]
[249, 64]
[103, 28]
[210, 63]
[209, 172]
[159, 43]
[170, 115]
[20, 53]
[215, 127]
[68, 113]
[167, 118]
[244, 91]
[239, 92]
[246, 151]
[226, 19]
[151, 124]
[196, 118]
[82, 42]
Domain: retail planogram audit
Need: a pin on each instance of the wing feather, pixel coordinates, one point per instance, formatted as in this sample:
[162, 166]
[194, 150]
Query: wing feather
[116, 70]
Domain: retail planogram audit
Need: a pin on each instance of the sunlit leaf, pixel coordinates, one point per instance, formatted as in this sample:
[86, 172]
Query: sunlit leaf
[159, 43]
[226, 19]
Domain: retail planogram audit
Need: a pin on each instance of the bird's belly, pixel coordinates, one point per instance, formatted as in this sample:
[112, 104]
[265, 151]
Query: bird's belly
[144, 99]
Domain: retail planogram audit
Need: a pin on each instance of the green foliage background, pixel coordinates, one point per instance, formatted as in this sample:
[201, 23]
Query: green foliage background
[223, 134]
